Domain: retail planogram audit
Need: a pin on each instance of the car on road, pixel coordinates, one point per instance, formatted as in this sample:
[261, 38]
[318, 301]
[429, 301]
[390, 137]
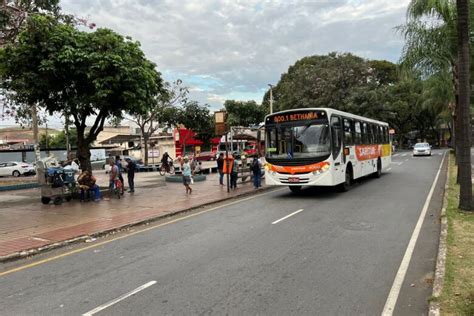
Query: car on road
[16, 169]
[422, 149]
[206, 156]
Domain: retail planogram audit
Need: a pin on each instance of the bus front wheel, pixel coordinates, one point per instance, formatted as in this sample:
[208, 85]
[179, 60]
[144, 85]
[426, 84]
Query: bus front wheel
[346, 185]
[295, 188]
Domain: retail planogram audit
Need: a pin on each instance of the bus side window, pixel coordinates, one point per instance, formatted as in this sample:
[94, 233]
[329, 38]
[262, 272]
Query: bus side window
[373, 134]
[336, 135]
[386, 136]
[358, 133]
[348, 136]
[365, 136]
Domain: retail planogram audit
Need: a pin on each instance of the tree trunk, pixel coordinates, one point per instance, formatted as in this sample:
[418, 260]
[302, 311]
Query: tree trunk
[464, 135]
[145, 144]
[83, 153]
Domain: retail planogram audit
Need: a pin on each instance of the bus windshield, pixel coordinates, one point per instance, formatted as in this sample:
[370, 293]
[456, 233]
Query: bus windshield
[298, 141]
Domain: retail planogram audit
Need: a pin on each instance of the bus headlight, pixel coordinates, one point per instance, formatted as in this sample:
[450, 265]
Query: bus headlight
[268, 167]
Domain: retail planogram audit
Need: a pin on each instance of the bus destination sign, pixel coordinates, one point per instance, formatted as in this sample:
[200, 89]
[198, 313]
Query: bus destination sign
[296, 116]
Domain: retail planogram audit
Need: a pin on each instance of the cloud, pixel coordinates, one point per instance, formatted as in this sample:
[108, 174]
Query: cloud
[236, 47]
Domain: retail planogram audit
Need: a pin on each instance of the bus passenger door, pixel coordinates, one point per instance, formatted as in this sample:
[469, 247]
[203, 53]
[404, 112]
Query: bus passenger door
[336, 146]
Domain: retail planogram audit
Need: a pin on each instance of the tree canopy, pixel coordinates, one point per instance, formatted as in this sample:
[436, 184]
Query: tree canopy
[244, 113]
[86, 75]
[335, 80]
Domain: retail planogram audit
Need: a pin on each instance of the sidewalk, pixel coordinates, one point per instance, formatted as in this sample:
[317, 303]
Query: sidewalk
[26, 225]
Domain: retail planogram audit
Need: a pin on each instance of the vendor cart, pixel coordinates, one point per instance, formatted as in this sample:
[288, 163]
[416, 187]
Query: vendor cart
[56, 183]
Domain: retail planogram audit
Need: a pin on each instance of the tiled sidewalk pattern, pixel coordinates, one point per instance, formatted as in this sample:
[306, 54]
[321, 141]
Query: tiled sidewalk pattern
[30, 224]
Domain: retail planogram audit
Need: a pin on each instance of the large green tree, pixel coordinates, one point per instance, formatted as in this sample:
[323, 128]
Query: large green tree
[341, 81]
[14, 15]
[160, 112]
[244, 113]
[197, 118]
[90, 76]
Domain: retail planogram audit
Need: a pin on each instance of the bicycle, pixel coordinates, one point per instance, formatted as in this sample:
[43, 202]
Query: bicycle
[164, 170]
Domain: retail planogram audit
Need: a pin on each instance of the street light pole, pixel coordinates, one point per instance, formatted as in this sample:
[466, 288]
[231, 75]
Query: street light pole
[271, 98]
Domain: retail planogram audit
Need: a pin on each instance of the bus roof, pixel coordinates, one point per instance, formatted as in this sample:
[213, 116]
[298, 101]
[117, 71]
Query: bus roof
[332, 111]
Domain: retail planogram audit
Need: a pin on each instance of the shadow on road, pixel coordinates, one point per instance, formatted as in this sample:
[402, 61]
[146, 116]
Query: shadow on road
[324, 192]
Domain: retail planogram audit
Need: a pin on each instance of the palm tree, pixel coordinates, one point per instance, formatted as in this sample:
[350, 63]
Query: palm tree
[431, 46]
[464, 137]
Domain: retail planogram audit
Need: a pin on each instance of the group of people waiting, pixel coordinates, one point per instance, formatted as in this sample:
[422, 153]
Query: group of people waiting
[87, 183]
[88, 186]
[233, 170]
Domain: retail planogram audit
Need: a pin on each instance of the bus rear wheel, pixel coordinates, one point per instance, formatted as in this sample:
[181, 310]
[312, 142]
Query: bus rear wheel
[378, 173]
[295, 188]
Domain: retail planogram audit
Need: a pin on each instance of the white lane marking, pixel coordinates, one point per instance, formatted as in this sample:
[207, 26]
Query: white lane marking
[439, 154]
[118, 299]
[402, 270]
[389, 169]
[398, 163]
[395, 155]
[289, 215]
[404, 155]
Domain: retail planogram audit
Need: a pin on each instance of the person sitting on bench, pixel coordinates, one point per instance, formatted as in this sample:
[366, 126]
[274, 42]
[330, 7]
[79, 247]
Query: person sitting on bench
[87, 183]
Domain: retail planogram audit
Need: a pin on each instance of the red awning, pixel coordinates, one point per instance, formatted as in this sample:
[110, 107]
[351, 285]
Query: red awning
[188, 137]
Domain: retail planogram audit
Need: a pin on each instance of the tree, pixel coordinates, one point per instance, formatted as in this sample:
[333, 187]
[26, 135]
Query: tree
[160, 112]
[87, 75]
[59, 140]
[14, 15]
[244, 113]
[339, 81]
[197, 118]
[464, 137]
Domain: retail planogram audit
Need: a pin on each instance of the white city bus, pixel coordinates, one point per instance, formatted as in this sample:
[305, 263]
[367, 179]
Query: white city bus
[323, 147]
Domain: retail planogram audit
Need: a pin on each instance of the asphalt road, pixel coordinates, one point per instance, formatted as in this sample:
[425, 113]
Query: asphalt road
[339, 255]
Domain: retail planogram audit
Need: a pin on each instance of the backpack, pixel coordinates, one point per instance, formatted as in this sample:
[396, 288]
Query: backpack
[57, 180]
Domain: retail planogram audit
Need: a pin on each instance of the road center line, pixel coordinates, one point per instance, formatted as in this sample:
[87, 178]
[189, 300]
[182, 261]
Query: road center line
[402, 270]
[118, 299]
[289, 215]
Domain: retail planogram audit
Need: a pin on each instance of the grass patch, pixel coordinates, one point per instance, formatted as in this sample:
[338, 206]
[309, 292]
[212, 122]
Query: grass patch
[457, 297]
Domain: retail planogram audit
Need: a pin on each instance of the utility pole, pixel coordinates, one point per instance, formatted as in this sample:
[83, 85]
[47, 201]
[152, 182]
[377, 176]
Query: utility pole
[47, 140]
[34, 117]
[66, 131]
[271, 98]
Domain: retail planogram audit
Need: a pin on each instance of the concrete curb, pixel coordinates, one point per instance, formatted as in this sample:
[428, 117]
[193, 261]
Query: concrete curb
[82, 238]
[434, 307]
[19, 186]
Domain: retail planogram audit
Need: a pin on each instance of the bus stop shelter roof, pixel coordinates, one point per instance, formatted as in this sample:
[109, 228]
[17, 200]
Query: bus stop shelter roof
[244, 134]
[120, 138]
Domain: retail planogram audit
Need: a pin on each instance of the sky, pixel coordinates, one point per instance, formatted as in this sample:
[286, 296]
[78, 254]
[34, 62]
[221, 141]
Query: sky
[232, 49]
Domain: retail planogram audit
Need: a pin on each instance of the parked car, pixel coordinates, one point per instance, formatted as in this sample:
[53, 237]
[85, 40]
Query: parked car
[422, 149]
[16, 169]
[206, 156]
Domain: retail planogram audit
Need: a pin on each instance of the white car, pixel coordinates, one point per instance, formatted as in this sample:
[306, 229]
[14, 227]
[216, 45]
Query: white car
[16, 169]
[422, 149]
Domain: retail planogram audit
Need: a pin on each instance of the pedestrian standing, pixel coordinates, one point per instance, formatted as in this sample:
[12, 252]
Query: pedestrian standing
[113, 175]
[131, 167]
[118, 163]
[234, 173]
[220, 168]
[187, 173]
[256, 167]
